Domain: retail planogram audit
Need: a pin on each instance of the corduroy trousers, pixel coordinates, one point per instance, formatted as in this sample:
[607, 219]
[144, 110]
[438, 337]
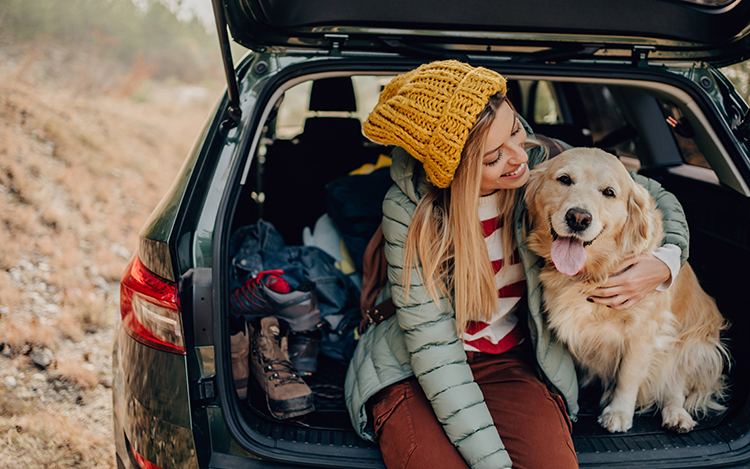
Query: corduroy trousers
[531, 420]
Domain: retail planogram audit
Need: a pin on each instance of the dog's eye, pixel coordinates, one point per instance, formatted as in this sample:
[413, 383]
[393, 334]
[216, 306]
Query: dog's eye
[565, 180]
[609, 192]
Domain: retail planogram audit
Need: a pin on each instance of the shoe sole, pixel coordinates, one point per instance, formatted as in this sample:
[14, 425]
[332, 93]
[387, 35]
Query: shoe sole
[291, 408]
[296, 312]
[288, 408]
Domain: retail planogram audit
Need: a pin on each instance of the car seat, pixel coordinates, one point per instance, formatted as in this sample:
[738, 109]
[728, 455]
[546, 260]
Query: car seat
[296, 171]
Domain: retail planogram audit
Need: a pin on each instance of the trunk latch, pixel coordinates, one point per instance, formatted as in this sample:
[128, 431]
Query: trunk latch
[337, 40]
[640, 55]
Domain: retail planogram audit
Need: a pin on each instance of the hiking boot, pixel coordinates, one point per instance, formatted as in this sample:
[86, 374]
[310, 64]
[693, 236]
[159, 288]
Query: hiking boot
[240, 347]
[268, 294]
[303, 351]
[286, 393]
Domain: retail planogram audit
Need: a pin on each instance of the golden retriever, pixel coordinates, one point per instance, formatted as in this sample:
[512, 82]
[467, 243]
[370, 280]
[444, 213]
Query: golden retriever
[587, 216]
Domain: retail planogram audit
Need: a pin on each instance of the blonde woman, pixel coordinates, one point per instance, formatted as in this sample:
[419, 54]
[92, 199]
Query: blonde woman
[465, 374]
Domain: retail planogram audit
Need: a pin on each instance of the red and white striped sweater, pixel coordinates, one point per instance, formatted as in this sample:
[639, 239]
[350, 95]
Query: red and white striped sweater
[502, 332]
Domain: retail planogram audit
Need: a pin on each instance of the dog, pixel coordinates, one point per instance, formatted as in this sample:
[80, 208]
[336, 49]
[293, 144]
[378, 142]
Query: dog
[587, 215]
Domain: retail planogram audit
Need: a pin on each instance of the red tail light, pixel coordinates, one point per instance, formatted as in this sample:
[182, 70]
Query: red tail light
[142, 462]
[150, 309]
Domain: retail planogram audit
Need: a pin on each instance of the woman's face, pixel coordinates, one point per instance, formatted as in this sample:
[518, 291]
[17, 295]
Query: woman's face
[504, 163]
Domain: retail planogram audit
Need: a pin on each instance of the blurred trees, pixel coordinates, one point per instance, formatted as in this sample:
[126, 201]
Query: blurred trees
[117, 29]
[739, 75]
[152, 37]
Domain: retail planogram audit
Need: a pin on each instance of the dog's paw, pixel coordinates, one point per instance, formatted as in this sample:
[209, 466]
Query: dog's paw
[677, 419]
[616, 420]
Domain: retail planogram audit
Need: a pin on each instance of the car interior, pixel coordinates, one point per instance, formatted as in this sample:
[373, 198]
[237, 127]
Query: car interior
[312, 136]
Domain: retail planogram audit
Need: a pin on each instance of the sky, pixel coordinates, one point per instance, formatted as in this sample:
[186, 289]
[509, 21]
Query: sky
[199, 8]
[187, 9]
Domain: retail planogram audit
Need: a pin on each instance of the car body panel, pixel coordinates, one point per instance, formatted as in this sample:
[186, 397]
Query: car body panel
[156, 234]
[151, 405]
[675, 30]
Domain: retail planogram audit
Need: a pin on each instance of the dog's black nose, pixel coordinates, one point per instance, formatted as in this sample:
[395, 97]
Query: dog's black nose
[578, 220]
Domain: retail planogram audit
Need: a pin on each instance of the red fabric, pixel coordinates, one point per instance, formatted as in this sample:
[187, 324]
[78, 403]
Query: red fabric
[531, 421]
[491, 225]
[500, 334]
[497, 265]
[510, 340]
[514, 290]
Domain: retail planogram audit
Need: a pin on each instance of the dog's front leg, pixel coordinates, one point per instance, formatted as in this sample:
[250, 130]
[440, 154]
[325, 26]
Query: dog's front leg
[633, 370]
[674, 416]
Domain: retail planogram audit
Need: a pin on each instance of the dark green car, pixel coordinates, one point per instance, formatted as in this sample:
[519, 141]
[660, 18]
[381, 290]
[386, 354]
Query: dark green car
[636, 77]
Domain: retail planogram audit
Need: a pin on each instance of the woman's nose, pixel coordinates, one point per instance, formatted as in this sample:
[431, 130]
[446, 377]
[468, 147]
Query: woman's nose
[518, 155]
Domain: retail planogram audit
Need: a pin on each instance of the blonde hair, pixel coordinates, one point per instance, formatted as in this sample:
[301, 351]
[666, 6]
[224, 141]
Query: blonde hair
[447, 238]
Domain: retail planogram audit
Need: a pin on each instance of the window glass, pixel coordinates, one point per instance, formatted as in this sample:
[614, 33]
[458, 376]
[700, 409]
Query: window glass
[683, 132]
[293, 111]
[546, 107]
[602, 110]
[609, 128]
[295, 107]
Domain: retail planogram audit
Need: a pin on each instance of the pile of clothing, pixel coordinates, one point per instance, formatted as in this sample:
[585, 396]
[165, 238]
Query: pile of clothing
[291, 303]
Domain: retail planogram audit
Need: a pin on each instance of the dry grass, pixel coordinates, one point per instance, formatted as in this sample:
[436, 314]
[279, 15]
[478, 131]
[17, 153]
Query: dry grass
[77, 373]
[81, 168]
[20, 333]
[42, 436]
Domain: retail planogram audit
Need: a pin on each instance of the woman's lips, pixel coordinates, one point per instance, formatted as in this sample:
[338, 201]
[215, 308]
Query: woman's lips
[515, 173]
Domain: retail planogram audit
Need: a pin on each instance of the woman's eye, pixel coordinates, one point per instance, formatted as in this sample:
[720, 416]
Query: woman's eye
[609, 192]
[516, 130]
[494, 161]
[565, 180]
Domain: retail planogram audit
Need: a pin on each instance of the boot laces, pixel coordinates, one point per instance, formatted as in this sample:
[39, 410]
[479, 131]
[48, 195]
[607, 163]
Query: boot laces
[284, 371]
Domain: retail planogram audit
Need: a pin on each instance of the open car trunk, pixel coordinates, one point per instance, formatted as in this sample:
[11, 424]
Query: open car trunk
[714, 31]
[300, 152]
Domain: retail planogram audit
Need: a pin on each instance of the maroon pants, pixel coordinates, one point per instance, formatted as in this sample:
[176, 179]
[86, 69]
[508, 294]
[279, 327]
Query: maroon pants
[531, 420]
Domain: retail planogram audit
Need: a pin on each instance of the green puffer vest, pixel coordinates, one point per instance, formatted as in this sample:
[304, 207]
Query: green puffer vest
[421, 338]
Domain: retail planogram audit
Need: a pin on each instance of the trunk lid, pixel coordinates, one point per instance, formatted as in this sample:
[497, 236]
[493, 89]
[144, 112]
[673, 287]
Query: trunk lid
[715, 31]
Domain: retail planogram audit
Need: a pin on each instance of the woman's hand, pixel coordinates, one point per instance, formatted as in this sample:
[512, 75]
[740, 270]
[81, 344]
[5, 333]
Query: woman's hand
[632, 280]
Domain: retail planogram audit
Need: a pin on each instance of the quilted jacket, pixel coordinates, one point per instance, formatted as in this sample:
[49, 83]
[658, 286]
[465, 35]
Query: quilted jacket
[421, 339]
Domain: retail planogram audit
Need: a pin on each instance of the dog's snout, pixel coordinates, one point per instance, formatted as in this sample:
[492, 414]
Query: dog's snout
[577, 219]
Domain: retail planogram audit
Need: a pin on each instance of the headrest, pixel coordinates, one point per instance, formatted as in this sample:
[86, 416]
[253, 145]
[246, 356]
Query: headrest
[332, 129]
[333, 94]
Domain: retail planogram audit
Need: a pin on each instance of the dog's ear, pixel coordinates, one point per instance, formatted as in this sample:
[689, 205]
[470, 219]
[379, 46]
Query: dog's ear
[642, 224]
[536, 177]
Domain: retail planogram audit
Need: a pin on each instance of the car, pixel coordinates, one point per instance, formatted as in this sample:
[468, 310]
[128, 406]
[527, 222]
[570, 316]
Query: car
[639, 78]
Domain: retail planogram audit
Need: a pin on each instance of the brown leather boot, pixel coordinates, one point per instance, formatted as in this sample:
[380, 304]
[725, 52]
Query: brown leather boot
[240, 346]
[286, 393]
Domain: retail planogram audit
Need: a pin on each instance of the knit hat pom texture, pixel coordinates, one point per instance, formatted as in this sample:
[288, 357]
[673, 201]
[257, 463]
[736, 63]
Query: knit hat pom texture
[429, 112]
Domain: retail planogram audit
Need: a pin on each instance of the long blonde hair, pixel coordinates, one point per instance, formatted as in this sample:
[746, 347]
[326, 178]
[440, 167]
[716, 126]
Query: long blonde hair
[447, 238]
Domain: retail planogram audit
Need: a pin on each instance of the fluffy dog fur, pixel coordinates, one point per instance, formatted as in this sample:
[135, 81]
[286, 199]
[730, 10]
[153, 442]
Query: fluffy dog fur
[664, 352]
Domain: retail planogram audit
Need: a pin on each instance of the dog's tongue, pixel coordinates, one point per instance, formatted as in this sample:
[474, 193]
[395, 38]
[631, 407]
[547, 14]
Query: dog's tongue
[568, 255]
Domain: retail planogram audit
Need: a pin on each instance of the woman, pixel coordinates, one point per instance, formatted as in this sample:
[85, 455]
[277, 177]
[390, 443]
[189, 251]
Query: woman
[451, 380]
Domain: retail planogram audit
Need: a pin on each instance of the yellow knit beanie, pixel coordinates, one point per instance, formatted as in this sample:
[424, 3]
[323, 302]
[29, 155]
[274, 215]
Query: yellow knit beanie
[429, 112]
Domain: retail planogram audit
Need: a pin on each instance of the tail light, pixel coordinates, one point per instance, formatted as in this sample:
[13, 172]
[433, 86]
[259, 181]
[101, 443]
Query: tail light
[142, 462]
[150, 309]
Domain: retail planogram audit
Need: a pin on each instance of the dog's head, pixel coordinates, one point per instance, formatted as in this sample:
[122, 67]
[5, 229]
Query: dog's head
[587, 213]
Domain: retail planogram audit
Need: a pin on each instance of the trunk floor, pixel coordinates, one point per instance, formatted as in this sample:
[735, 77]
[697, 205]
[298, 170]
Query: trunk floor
[330, 412]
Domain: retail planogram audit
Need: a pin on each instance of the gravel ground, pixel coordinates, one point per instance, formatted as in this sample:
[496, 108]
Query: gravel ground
[81, 168]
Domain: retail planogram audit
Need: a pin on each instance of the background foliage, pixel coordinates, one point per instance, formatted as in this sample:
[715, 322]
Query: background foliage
[117, 30]
[739, 74]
